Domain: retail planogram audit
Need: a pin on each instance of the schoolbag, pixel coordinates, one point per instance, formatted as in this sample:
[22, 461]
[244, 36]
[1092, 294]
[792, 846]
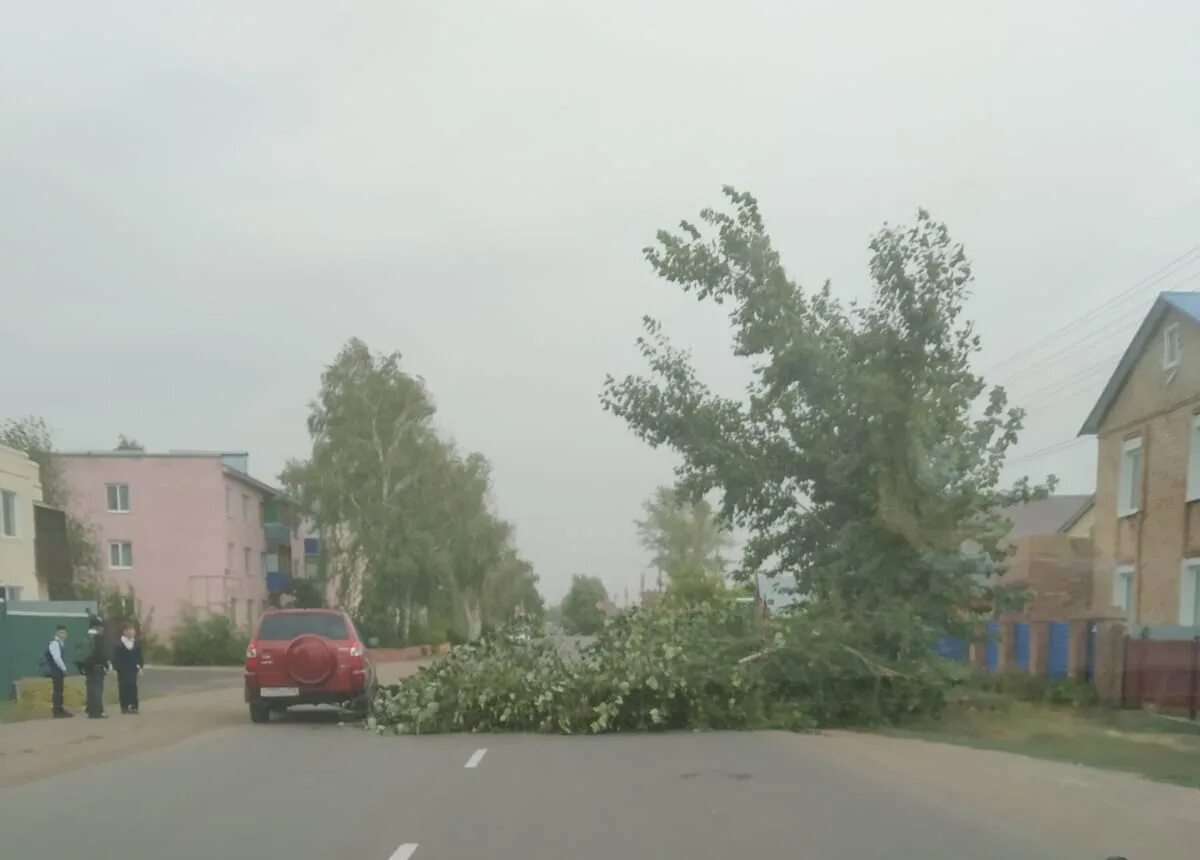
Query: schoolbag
[45, 664]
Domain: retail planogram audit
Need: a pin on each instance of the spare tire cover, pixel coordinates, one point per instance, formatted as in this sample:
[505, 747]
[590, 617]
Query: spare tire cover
[309, 659]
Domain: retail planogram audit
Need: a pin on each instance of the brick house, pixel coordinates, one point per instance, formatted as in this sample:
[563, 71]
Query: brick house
[1147, 513]
[1052, 557]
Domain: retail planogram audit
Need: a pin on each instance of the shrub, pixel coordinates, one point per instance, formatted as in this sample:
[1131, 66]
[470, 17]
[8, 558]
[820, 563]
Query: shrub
[707, 666]
[211, 641]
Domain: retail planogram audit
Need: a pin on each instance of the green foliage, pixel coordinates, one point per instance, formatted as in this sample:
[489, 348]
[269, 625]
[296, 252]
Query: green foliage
[583, 609]
[408, 535]
[211, 641]
[686, 541]
[120, 607]
[704, 666]
[128, 443]
[32, 436]
[1030, 688]
[865, 454]
[305, 593]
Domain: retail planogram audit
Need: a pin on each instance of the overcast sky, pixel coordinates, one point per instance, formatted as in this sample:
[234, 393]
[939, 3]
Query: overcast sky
[200, 202]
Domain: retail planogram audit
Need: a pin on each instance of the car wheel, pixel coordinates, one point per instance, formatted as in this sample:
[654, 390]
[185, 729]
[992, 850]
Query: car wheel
[259, 713]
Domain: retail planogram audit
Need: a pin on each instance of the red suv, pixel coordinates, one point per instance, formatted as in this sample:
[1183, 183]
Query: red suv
[306, 657]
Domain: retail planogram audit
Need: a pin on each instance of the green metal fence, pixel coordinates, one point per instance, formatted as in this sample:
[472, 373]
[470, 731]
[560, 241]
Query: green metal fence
[26, 628]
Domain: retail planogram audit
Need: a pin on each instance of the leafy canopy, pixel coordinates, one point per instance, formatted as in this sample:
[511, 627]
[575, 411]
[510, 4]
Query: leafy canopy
[686, 541]
[410, 539]
[865, 453]
[583, 609]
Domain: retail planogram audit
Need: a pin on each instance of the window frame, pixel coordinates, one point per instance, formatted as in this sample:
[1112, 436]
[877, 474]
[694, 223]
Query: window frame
[1129, 486]
[1189, 592]
[246, 560]
[10, 516]
[245, 507]
[1120, 571]
[122, 563]
[1172, 336]
[229, 501]
[108, 500]
[1193, 475]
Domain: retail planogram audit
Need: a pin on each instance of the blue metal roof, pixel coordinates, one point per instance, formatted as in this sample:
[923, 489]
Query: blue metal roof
[1187, 304]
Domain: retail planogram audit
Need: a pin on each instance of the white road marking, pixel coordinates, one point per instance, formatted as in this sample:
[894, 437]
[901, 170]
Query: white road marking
[476, 757]
[404, 851]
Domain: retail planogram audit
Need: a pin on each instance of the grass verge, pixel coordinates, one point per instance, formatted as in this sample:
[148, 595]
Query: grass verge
[1135, 741]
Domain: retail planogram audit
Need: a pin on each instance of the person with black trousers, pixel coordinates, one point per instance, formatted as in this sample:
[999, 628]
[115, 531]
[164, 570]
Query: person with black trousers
[93, 664]
[127, 660]
[55, 668]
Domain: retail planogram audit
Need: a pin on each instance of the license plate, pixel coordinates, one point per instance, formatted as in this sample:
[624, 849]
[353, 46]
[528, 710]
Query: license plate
[280, 692]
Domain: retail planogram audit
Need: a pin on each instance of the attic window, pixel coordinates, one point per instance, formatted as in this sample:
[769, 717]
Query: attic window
[1172, 347]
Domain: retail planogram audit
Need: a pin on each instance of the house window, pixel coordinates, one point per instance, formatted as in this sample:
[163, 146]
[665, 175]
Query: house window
[245, 507]
[1130, 485]
[1172, 347]
[272, 562]
[1194, 461]
[8, 514]
[233, 611]
[1123, 590]
[246, 560]
[250, 613]
[118, 498]
[1189, 593]
[228, 559]
[228, 502]
[263, 561]
[120, 555]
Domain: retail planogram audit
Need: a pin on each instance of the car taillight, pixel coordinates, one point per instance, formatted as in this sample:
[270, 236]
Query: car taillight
[356, 650]
[252, 655]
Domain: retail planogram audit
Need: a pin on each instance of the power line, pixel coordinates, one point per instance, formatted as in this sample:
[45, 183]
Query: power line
[1125, 295]
[1067, 382]
[1049, 449]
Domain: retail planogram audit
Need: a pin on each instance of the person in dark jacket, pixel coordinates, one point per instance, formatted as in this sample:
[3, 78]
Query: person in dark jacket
[93, 665]
[127, 660]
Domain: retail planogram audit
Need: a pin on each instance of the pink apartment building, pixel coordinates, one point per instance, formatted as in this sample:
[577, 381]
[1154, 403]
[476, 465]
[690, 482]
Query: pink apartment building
[189, 530]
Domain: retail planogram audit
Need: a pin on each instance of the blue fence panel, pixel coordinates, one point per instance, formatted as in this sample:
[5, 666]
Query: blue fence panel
[1059, 649]
[952, 648]
[1021, 644]
[992, 656]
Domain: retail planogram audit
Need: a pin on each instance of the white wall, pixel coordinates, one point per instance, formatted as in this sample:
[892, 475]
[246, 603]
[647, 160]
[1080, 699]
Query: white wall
[19, 475]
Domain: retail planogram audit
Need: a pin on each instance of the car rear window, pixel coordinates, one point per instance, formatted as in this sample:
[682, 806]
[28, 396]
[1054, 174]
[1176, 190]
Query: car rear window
[277, 627]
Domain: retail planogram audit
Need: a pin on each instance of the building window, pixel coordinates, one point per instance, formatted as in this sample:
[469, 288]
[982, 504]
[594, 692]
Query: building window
[263, 561]
[1189, 593]
[272, 562]
[1123, 590]
[245, 507]
[8, 514]
[246, 560]
[1130, 486]
[120, 555]
[11, 593]
[250, 613]
[1194, 461]
[1172, 347]
[118, 498]
[228, 502]
[233, 611]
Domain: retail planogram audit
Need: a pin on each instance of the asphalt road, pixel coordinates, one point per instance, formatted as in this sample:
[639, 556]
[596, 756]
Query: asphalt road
[165, 680]
[307, 788]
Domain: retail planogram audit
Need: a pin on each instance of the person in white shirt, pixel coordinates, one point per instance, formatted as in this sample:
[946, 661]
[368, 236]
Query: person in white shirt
[56, 665]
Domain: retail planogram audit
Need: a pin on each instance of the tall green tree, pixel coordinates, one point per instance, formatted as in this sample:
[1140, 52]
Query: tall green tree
[408, 532]
[31, 435]
[584, 607]
[865, 453]
[128, 443]
[686, 541]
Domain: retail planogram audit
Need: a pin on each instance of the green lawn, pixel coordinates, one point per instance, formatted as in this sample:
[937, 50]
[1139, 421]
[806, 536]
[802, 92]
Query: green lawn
[1135, 741]
[38, 707]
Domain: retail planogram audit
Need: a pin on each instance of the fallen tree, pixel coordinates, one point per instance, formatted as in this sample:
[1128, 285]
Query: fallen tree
[670, 666]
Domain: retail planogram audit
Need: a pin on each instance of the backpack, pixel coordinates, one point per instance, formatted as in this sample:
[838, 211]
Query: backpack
[45, 663]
